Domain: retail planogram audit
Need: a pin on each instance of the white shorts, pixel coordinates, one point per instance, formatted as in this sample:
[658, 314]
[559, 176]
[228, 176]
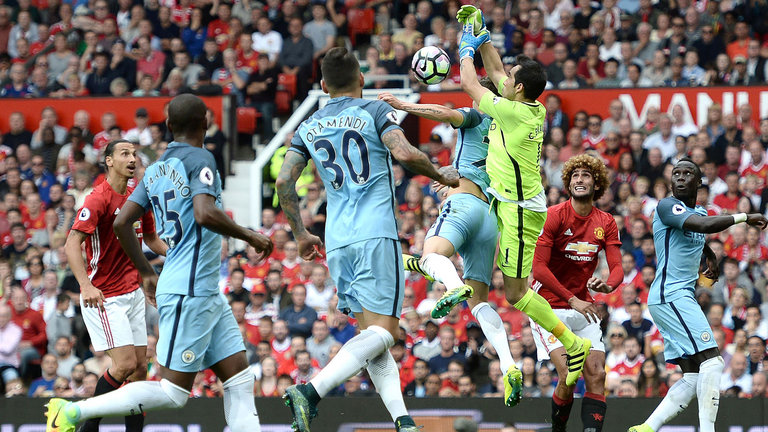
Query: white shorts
[546, 342]
[123, 321]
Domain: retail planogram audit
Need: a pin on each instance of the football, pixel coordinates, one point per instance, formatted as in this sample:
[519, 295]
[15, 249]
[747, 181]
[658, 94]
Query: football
[431, 65]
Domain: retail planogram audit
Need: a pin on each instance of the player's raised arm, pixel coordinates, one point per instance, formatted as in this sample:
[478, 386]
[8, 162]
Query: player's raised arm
[285, 184]
[415, 160]
[492, 63]
[428, 111]
[470, 44]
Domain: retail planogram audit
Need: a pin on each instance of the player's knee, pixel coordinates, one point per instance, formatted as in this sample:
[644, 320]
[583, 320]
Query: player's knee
[177, 396]
[513, 296]
[124, 368]
[595, 381]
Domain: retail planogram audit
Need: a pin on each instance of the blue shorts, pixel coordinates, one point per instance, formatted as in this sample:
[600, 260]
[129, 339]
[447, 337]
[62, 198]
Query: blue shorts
[684, 327]
[470, 225]
[369, 275]
[196, 332]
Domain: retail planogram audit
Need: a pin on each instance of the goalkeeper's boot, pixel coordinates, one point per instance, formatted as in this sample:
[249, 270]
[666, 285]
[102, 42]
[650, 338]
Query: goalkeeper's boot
[411, 264]
[303, 410]
[60, 416]
[575, 360]
[640, 428]
[450, 299]
[513, 386]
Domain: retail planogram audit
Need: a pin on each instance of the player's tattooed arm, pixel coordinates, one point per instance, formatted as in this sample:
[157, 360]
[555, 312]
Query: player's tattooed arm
[415, 160]
[428, 111]
[293, 165]
[290, 172]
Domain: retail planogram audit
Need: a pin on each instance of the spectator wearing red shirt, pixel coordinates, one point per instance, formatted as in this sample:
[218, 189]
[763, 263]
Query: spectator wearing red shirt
[101, 139]
[758, 165]
[219, 28]
[594, 140]
[629, 367]
[33, 337]
[247, 58]
[613, 150]
[291, 263]
[739, 47]
[591, 68]
[436, 149]
[752, 252]
[251, 331]
[729, 200]
[33, 212]
[255, 268]
[150, 62]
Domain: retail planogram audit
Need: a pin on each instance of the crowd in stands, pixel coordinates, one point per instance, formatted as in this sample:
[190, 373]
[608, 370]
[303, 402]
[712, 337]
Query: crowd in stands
[286, 307]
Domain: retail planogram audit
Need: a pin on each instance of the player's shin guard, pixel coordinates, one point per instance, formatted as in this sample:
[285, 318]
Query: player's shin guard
[441, 269]
[239, 408]
[134, 398]
[677, 399]
[386, 378]
[536, 307]
[561, 411]
[593, 412]
[493, 329]
[352, 357]
[105, 384]
[708, 392]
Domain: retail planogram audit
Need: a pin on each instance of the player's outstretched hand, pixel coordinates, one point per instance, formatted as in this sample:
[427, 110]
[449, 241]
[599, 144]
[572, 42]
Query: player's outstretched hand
[92, 296]
[309, 246]
[449, 176]
[758, 220]
[597, 284]
[469, 13]
[391, 100]
[585, 308]
[261, 243]
[149, 283]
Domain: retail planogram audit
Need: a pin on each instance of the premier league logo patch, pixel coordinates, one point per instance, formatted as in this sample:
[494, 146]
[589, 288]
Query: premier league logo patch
[678, 209]
[85, 214]
[188, 356]
[705, 336]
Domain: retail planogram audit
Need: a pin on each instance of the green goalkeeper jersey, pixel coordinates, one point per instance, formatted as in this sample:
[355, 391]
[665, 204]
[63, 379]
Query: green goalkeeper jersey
[516, 137]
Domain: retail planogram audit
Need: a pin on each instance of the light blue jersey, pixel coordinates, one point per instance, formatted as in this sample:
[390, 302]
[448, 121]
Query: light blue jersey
[193, 258]
[472, 147]
[678, 252]
[344, 140]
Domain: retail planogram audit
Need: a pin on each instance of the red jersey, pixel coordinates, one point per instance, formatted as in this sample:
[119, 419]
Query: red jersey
[109, 268]
[629, 367]
[760, 171]
[726, 202]
[574, 242]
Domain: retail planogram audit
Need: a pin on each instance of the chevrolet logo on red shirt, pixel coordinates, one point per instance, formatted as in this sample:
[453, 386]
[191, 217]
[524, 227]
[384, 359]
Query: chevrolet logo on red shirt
[581, 248]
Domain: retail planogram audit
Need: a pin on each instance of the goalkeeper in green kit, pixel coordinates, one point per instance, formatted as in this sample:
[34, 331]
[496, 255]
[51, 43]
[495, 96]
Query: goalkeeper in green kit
[515, 140]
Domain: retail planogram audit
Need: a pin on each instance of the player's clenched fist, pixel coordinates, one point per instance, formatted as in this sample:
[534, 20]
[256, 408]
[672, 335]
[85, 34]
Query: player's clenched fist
[758, 220]
[449, 176]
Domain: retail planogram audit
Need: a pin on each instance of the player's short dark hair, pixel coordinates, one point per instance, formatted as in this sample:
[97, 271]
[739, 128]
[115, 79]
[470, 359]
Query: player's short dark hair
[690, 161]
[487, 82]
[110, 149]
[595, 167]
[532, 76]
[340, 69]
[186, 115]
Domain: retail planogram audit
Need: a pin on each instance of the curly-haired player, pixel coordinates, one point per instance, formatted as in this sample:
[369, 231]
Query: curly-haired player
[565, 260]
